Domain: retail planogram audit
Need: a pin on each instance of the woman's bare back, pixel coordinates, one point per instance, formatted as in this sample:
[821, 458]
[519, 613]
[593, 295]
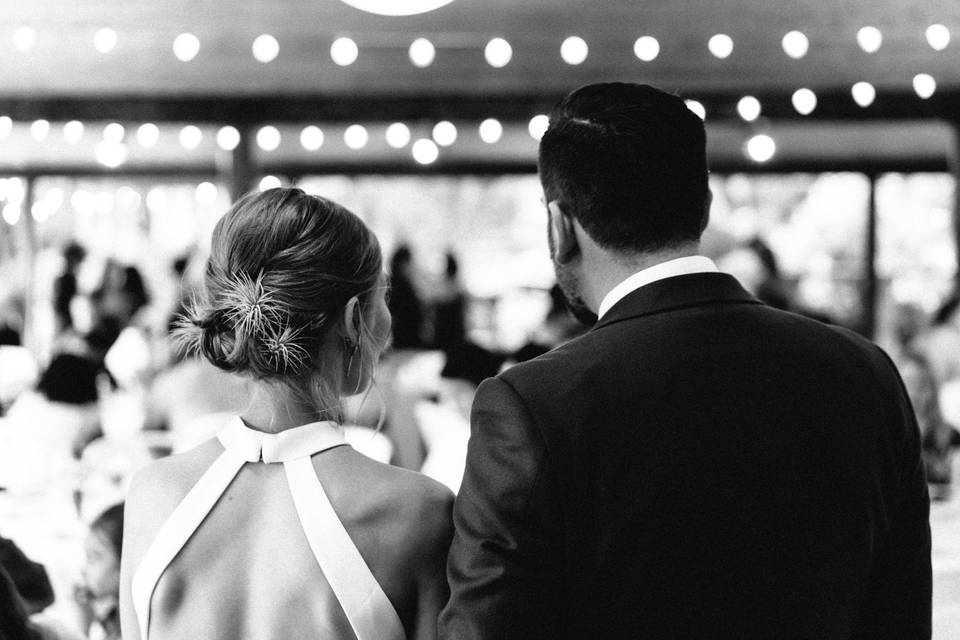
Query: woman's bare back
[249, 571]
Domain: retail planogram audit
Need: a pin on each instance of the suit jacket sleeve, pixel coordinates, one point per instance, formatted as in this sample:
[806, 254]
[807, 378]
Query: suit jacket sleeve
[899, 597]
[504, 563]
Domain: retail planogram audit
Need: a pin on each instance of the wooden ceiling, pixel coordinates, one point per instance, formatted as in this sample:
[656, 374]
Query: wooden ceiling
[63, 63]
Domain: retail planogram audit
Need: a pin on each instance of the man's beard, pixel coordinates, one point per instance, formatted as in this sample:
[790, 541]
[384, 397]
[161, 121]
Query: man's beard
[570, 286]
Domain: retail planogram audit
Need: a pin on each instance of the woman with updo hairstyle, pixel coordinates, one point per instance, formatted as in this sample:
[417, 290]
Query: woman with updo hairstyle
[277, 528]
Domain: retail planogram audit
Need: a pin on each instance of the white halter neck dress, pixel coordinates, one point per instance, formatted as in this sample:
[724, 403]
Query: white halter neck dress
[368, 610]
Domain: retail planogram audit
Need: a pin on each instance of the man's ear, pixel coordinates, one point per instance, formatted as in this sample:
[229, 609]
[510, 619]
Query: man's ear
[351, 320]
[565, 245]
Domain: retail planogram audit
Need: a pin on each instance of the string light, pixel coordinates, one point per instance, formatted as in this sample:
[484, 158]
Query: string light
[190, 137]
[795, 44]
[111, 154]
[269, 182]
[24, 38]
[73, 131]
[422, 52]
[311, 138]
[869, 39]
[105, 40]
[356, 136]
[574, 50]
[147, 135]
[749, 108]
[938, 36]
[444, 133]
[344, 52]
[228, 138]
[186, 46]
[804, 101]
[924, 85]
[206, 193]
[697, 108]
[268, 138]
[39, 130]
[646, 48]
[761, 148]
[720, 45]
[491, 130]
[538, 126]
[498, 53]
[6, 126]
[265, 48]
[397, 7]
[398, 135]
[113, 132]
[425, 151]
[11, 213]
[863, 93]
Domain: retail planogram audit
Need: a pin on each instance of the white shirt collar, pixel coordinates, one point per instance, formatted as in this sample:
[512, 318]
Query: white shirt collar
[668, 269]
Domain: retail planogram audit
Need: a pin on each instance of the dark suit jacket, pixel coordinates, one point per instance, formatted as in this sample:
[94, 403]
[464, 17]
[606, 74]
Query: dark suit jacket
[698, 465]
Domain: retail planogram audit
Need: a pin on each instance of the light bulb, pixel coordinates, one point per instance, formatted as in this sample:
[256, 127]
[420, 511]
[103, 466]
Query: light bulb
[148, 134]
[266, 48]
[425, 151]
[574, 50]
[398, 135]
[422, 52]
[924, 85]
[863, 93]
[804, 101]
[720, 45]
[268, 138]
[190, 137]
[697, 108]
[491, 130]
[356, 136]
[444, 133]
[186, 46]
[938, 36]
[761, 148]
[795, 44]
[344, 52]
[749, 108]
[869, 39]
[105, 40]
[538, 126]
[228, 138]
[498, 53]
[311, 138]
[646, 48]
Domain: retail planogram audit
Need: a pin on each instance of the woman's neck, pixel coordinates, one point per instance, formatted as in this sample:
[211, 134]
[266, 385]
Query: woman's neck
[275, 408]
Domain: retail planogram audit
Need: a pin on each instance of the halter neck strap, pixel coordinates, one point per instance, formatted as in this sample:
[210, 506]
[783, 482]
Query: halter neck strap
[291, 444]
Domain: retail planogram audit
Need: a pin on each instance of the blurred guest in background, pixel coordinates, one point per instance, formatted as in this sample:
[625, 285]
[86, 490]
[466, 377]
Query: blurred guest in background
[449, 307]
[29, 578]
[65, 286]
[98, 596]
[406, 307]
[11, 320]
[557, 328]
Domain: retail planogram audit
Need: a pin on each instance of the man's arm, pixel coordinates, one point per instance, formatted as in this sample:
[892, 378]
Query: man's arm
[505, 563]
[899, 597]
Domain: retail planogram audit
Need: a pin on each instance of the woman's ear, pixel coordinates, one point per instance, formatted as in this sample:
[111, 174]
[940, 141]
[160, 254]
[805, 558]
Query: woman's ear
[351, 320]
[563, 237]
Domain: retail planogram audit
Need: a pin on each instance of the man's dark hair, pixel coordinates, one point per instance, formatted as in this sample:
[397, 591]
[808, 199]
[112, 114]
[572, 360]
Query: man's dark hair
[628, 161]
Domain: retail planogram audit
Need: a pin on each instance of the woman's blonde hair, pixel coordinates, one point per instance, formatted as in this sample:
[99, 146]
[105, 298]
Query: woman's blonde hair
[283, 265]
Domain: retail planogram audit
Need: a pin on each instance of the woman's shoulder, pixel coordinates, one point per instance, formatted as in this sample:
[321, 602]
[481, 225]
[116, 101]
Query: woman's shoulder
[409, 504]
[156, 489]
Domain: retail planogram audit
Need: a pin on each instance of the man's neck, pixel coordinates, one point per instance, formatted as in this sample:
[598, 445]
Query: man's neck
[607, 269]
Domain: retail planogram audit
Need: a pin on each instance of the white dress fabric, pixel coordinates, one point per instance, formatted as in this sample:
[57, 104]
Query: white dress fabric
[368, 610]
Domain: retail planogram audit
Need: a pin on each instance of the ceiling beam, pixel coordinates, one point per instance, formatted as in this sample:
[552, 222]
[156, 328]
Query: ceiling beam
[246, 110]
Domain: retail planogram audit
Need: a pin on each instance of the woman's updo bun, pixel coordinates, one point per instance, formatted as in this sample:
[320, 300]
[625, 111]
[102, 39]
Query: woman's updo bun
[282, 266]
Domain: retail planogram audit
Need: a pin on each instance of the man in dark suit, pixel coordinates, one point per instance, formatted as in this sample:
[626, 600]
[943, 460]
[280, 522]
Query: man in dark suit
[698, 465]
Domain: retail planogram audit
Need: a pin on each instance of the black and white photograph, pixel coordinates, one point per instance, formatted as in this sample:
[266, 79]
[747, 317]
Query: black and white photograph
[479, 320]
